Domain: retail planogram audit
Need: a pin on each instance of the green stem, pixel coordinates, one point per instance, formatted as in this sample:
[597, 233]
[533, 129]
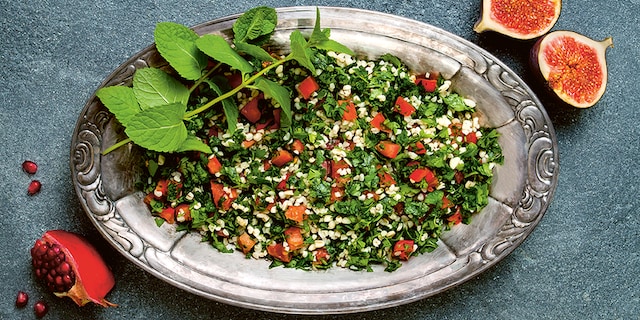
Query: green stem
[116, 146]
[205, 76]
[235, 90]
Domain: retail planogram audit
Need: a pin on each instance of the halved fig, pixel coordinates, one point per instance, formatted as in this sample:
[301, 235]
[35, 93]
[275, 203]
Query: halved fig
[573, 66]
[518, 19]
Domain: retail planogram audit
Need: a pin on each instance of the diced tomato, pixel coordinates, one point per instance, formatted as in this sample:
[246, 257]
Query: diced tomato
[248, 143]
[403, 249]
[417, 175]
[371, 195]
[297, 146]
[432, 180]
[282, 185]
[245, 242]
[471, 138]
[413, 163]
[148, 198]
[446, 203]
[161, 190]
[458, 177]
[399, 207]
[307, 87]
[403, 107]
[220, 233]
[350, 145]
[295, 213]
[234, 79]
[214, 166]
[388, 149]
[218, 192]
[456, 218]
[350, 112]
[277, 251]
[378, 123]
[281, 158]
[419, 148]
[337, 193]
[276, 119]
[429, 85]
[386, 179]
[424, 173]
[321, 256]
[336, 167]
[213, 131]
[264, 124]
[293, 236]
[183, 210]
[169, 215]
[251, 110]
[266, 164]
[326, 165]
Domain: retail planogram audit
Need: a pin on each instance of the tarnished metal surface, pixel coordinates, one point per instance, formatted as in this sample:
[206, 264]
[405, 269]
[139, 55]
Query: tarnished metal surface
[522, 189]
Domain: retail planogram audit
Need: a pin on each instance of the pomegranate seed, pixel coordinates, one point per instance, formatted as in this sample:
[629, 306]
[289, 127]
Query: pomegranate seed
[22, 299]
[29, 167]
[34, 187]
[40, 309]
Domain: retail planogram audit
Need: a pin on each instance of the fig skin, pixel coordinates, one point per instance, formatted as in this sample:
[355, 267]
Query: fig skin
[489, 20]
[579, 76]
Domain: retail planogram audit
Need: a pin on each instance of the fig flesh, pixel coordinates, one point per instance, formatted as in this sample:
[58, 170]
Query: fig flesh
[518, 19]
[573, 66]
[72, 267]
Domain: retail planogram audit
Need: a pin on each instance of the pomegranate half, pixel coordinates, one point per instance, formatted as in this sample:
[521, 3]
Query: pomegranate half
[573, 66]
[72, 267]
[518, 19]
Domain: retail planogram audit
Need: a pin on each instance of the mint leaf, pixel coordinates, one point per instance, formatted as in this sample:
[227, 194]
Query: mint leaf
[281, 95]
[154, 87]
[320, 39]
[254, 51]
[193, 144]
[255, 26]
[300, 51]
[219, 49]
[121, 101]
[231, 110]
[159, 128]
[177, 44]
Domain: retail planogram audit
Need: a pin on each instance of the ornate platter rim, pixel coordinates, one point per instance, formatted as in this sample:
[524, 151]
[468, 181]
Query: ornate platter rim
[529, 138]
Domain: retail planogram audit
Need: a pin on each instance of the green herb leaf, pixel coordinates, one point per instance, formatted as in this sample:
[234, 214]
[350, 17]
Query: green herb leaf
[255, 25]
[121, 101]
[300, 51]
[219, 49]
[154, 87]
[254, 51]
[194, 144]
[231, 110]
[159, 128]
[177, 44]
[320, 39]
[281, 95]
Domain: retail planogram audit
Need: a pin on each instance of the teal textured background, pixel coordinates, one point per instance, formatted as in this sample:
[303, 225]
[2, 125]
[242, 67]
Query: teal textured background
[581, 262]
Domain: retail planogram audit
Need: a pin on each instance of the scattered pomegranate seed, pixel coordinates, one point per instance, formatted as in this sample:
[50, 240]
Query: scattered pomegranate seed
[34, 187]
[29, 167]
[40, 309]
[22, 299]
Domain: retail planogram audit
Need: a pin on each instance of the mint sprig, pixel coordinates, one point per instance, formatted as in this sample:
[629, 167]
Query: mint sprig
[154, 110]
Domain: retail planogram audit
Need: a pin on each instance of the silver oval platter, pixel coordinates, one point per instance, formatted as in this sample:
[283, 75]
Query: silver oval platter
[521, 192]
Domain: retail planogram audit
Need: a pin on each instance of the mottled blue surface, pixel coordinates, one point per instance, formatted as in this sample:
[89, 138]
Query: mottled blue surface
[581, 262]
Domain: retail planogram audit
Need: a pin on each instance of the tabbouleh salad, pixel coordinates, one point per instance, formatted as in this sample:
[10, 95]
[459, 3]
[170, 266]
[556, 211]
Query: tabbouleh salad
[375, 164]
